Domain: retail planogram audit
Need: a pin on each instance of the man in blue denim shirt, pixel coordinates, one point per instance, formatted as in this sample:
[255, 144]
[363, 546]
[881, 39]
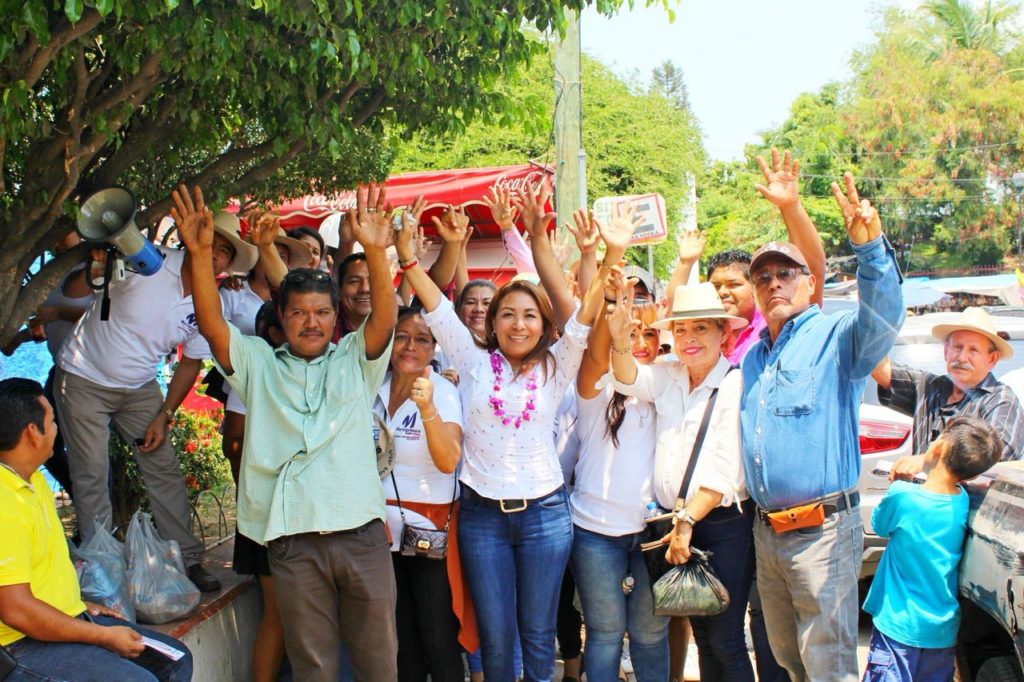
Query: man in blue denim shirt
[801, 398]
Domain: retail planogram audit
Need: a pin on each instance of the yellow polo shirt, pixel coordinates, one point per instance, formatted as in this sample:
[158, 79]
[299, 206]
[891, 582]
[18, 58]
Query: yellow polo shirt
[33, 548]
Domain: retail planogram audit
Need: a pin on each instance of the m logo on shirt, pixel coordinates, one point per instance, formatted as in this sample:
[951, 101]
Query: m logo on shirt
[407, 430]
[188, 324]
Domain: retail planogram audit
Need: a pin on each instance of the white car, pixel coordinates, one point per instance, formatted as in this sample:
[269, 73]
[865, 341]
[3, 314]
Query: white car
[885, 435]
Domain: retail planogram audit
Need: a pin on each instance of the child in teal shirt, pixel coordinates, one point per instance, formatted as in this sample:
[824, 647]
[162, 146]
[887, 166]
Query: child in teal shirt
[913, 597]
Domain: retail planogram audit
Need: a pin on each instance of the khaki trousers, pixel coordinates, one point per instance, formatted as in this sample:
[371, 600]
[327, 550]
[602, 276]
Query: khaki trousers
[86, 411]
[333, 588]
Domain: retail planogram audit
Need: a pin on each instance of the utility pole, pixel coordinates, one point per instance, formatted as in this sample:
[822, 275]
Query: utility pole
[570, 159]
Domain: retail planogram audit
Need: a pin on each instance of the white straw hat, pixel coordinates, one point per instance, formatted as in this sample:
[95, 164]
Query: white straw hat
[228, 226]
[698, 302]
[975, 320]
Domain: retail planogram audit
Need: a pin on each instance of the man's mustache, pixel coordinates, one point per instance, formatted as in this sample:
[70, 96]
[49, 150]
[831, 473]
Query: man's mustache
[962, 365]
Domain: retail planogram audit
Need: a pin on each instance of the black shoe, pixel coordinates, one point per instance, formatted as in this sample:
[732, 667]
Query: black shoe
[203, 579]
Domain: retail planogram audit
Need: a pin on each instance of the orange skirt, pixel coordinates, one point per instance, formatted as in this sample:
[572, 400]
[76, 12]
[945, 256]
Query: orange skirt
[462, 605]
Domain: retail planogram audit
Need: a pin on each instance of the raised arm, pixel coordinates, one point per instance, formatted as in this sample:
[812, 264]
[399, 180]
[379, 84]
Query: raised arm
[584, 230]
[596, 357]
[691, 248]
[452, 229]
[265, 227]
[426, 289]
[531, 205]
[504, 214]
[462, 268]
[620, 328]
[195, 227]
[782, 188]
[371, 227]
[616, 236]
[880, 310]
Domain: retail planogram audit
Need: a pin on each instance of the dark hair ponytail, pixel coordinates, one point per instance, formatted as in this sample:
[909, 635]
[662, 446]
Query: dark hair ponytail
[615, 414]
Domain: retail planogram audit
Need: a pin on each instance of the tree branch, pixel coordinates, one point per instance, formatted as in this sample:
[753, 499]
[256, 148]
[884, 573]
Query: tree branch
[32, 295]
[138, 144]
[34, 61]
[146, 77]
[370, 108]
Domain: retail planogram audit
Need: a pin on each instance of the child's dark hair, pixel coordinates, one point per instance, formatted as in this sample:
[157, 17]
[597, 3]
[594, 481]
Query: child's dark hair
[724, 259]
[973, 447]
[20, 406]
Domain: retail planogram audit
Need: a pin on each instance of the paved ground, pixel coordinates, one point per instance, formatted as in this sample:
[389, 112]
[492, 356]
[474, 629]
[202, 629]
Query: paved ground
[692, 674]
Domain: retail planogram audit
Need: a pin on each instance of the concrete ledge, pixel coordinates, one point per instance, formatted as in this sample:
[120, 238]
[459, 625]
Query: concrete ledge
[221, 631]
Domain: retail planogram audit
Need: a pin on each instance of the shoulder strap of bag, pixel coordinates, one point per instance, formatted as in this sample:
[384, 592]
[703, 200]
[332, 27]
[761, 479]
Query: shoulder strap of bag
[455, 491]
[394, 484]
[698, 442]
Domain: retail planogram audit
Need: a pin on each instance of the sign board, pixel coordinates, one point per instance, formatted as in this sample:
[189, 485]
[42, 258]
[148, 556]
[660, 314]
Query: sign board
[649, 207]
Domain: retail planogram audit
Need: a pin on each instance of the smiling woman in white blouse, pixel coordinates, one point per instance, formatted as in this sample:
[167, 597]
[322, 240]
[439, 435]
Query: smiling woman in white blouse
[515, 530]
[714, 511]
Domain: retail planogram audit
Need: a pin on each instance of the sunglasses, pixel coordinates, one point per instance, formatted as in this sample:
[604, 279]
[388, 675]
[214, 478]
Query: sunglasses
[763, 278]
[305, 275]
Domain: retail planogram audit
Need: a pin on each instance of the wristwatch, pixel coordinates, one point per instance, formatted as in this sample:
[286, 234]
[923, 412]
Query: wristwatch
[685, 517]
[169, 413]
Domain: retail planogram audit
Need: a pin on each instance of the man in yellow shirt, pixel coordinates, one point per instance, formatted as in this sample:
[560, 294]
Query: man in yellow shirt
[46, 630]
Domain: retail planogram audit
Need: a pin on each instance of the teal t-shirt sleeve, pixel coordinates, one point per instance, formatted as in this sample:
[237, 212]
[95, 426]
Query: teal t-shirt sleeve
[885, 513]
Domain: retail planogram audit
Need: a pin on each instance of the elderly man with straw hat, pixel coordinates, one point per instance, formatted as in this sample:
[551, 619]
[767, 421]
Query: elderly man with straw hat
[972, 347]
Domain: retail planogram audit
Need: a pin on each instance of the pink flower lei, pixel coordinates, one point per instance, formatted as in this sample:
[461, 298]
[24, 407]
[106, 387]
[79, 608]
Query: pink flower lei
[497, 404]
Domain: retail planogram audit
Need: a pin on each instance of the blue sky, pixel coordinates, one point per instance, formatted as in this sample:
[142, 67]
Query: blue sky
[744, 60]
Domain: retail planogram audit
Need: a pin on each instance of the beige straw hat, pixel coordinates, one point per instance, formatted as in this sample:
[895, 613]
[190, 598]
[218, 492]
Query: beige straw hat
[698, 302]
[975, 320]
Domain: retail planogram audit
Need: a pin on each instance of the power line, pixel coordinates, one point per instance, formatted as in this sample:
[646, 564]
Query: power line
[903, 153]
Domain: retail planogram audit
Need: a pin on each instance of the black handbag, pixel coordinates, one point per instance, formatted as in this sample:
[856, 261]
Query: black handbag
[428, 543]
[676, 587]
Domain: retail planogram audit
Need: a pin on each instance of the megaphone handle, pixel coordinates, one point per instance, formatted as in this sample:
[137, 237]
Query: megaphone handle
[108, 272]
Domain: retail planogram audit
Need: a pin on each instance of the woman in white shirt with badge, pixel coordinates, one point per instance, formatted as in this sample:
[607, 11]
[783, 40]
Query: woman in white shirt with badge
[515, 530]
[423, 413]
[715, 511]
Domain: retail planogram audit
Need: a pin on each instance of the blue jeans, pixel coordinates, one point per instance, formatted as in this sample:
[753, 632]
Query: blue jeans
[599, 563]
[890, 661]
[514, 564]
[721, 647]
[58, 661]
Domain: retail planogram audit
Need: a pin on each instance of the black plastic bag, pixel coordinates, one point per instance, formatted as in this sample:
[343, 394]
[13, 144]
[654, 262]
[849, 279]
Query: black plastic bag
[690, 589]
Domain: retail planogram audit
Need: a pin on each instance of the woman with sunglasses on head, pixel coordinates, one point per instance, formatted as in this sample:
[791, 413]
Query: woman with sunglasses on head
[714, 511]
[515, 531]
[423, 413]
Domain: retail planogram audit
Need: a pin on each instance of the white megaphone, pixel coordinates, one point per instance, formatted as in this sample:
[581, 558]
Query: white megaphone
[108, 215]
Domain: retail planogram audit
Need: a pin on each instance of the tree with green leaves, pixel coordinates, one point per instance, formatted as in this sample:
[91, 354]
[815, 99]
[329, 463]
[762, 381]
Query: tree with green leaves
[933, 136]
[262, 99]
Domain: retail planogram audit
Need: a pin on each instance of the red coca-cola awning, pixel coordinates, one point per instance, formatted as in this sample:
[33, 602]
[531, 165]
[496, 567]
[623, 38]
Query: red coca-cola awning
[465, 187]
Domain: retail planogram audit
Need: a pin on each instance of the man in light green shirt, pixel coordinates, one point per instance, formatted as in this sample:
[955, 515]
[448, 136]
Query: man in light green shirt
[309, 487]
